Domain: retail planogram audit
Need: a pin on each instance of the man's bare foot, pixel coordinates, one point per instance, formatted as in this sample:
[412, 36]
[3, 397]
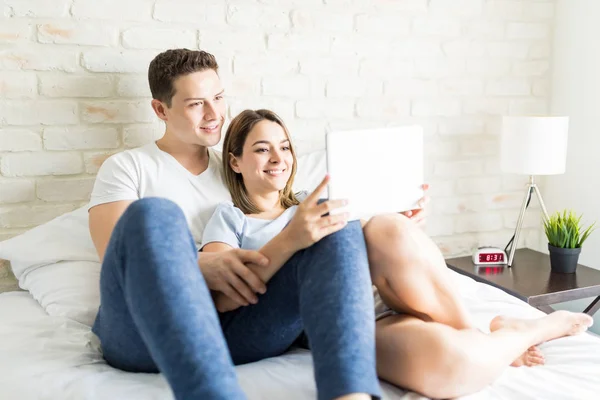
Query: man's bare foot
[552, 326]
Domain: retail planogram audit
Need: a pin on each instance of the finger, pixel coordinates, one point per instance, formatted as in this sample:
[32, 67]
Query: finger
[423, 201]
[242, 288]
[250, 277]
[419, 218]
[425, 187]
[252, 256]
[332, 229]
[332, 220]
[330, 205]
[416, 213]
[316, 194]
[230, 292]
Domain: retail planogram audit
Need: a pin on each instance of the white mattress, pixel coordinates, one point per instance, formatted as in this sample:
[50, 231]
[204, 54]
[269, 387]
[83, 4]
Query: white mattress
[43, 357]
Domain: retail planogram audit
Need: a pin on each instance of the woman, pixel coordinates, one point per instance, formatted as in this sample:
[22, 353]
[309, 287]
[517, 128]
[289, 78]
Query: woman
[425, 339]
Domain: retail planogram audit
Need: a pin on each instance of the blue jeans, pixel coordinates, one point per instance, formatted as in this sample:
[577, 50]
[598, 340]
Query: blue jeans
[156, 312]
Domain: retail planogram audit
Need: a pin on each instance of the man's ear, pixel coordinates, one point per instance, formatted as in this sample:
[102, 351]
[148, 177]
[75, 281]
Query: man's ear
[233, 163]
[159, 109]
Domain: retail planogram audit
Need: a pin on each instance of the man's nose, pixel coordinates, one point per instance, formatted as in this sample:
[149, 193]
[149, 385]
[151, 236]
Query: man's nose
[210, 112]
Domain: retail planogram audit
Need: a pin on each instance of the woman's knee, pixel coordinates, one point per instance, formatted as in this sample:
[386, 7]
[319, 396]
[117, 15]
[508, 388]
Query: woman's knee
[388, 239]
[387, 227]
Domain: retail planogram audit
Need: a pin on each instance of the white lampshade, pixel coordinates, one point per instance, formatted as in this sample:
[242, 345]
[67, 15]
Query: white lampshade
[534, 145]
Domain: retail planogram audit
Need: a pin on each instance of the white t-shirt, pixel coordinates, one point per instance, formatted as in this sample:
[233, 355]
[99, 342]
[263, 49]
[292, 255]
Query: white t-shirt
[150, 172]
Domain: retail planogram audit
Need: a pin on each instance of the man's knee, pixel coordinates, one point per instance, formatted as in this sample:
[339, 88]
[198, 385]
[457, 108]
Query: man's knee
[154, 209]
[152, 206]
[351, 234]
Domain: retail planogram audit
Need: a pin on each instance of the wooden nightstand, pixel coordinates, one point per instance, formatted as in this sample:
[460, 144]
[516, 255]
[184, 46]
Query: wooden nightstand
[531, 280]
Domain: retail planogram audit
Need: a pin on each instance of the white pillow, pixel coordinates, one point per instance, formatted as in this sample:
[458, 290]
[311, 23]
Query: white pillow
[65, 238]
[67, 289]
[312, 168]
[57, 261]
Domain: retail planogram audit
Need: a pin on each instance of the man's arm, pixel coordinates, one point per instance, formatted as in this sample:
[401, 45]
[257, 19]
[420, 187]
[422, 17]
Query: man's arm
[102, 221]
[278, 250]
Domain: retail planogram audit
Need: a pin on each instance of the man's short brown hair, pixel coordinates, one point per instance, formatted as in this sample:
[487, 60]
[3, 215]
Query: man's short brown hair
[170, 65]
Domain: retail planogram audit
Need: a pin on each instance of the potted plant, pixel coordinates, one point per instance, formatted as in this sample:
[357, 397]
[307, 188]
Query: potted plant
[565, 236]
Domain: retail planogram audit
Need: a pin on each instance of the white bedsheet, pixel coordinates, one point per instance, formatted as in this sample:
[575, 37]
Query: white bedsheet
[43, 357]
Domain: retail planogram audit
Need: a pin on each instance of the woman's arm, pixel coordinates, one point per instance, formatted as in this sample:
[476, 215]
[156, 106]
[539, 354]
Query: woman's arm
[308, 226]
[278, 250]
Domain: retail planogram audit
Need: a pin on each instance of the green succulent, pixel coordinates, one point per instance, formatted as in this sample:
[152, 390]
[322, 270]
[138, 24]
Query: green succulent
[564, 230]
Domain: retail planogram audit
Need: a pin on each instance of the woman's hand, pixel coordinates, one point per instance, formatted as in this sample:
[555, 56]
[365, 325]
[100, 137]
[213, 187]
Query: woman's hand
[225, 270]
[309, 225]
[419, 215]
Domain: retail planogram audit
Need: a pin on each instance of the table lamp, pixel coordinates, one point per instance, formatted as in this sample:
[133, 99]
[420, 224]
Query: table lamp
[533, 146]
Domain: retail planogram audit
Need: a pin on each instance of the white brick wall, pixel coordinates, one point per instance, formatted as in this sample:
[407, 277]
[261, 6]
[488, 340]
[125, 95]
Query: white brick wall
[73, 89]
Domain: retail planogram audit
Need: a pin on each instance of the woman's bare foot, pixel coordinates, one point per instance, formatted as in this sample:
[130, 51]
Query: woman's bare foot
[552, 326]
[531, 358]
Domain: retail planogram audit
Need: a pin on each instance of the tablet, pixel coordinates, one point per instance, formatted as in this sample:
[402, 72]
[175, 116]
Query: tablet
[377, 170]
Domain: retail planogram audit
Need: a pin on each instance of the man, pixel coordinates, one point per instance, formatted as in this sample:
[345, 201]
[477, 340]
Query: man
[156, 310]
[147, 212]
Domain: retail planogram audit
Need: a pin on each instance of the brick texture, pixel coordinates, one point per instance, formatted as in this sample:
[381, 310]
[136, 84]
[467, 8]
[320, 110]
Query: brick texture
[73, 88]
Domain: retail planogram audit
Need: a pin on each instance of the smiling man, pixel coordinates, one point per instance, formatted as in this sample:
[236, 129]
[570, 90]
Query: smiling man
[147, 213]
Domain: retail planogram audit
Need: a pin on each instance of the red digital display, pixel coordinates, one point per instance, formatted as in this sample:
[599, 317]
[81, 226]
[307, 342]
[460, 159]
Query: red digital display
[491, 257]
[490, 270]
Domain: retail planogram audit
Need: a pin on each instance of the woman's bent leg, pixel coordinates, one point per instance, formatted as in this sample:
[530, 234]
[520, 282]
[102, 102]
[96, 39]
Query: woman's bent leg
[156, 312]
[441, 362]
[410, 272]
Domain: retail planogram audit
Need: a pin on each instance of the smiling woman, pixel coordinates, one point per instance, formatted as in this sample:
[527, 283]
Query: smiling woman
[259, 159]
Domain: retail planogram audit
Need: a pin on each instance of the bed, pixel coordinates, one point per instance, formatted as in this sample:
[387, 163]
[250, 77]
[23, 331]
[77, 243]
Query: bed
[46, 356]
[47, 350]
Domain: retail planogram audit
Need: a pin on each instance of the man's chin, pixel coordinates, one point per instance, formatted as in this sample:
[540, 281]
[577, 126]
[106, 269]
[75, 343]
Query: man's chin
[209, 140]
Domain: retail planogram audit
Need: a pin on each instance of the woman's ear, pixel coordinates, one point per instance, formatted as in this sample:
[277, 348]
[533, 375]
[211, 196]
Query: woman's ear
[233, 163]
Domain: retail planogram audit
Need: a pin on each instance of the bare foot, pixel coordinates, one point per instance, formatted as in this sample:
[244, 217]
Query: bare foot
[531, 358]
[552, 326]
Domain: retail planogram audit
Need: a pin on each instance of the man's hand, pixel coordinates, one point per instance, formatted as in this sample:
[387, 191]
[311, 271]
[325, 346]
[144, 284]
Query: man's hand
[227, 273]
[419, 215]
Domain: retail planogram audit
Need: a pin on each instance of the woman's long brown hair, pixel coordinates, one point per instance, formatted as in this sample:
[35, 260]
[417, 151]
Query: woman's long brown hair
[236, 136]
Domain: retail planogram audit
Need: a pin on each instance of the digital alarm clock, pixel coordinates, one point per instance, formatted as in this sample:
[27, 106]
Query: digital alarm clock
[488, 255]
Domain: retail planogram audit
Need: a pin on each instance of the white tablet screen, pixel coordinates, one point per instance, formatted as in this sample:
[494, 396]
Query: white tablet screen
[377, 170]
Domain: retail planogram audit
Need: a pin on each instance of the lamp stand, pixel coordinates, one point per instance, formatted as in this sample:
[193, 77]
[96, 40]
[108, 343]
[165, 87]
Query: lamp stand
[531, 186]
